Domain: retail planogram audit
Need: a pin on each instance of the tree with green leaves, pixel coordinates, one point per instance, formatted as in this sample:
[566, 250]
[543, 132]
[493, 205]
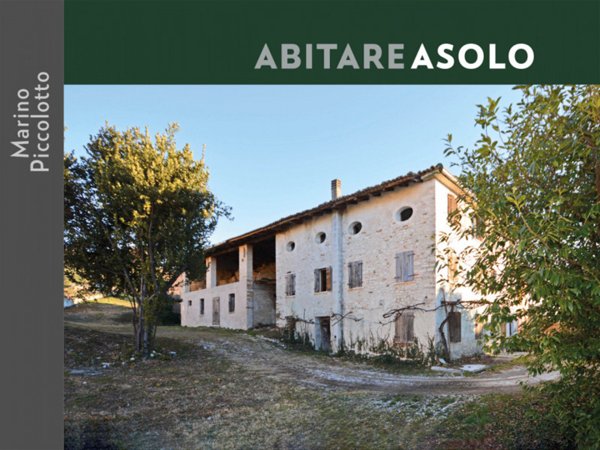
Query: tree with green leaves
[533, 185]
[138, 214]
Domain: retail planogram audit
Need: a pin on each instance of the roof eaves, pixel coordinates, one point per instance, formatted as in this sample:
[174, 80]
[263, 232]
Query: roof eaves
[324, 208]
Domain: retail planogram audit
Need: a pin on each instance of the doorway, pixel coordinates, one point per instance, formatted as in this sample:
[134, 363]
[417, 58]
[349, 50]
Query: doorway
[323, 334]
[216, 311]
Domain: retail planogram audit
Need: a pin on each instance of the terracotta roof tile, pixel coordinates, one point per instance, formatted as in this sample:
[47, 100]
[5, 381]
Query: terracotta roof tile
[341, 202]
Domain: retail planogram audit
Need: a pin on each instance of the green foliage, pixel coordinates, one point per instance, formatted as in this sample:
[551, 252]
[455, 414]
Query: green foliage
[534, 175]
[510, 421]
[138, 213]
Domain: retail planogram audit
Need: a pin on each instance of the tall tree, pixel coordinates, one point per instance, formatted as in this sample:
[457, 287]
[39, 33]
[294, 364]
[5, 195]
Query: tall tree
[533, 180]
[138, 213]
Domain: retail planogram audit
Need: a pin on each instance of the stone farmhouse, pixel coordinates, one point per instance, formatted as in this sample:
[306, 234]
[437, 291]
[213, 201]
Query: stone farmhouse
[330, 273]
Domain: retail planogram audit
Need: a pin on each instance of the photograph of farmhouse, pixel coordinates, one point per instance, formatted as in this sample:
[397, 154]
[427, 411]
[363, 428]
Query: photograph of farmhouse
[317, 267]
[333, 271]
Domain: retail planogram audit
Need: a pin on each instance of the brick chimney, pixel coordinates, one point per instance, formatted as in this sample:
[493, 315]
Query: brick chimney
[336, 189]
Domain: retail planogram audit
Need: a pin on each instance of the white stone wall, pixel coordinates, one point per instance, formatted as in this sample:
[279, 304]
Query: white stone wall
[307, 256]
[377, 244]
[468, 344]
[382, 237]
[190, 314]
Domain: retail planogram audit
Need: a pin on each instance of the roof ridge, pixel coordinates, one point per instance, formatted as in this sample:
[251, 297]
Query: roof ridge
[360, 195]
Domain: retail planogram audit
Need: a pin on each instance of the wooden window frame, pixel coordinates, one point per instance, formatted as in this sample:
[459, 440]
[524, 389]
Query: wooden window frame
[355, 274]
[290, 284]
[405, 258]
[404, 329]
[323, 279]
[454, 327]
[452, 207]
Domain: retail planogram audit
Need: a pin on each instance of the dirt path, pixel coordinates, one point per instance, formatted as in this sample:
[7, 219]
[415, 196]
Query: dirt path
[268, 359]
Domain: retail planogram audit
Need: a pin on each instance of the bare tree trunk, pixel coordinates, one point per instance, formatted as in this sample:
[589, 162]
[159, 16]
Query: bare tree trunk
[446, 349]
[146, 343]
[140, 335]
[139, 332]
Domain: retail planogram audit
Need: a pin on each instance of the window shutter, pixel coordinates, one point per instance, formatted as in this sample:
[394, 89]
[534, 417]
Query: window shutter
[317, 280]
[452, 207]
[328, 279]
[355, 274]
[451, 204]
[410, 327]
[405, 328]
[409, 272]
[293, 284]
[399, 332]
[454, 326]
[290, 284]
[405, 270]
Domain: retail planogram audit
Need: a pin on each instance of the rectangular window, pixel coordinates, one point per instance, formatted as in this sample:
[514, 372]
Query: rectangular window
[189, 303]
[452, 205]
[405, 266]
[290, 284]
[201, 306]
[323, 279]
[478, 228]
[452, 208]
[454, 326]
[405, 328]
[512, 327]
[231, 303]
[355, 274]
[452, 267]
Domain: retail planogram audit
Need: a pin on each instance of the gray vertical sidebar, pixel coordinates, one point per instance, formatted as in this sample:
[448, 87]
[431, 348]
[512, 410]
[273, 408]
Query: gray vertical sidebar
[31, 221]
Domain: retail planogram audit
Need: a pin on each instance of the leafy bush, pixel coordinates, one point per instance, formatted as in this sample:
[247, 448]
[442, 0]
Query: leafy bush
[532, 181]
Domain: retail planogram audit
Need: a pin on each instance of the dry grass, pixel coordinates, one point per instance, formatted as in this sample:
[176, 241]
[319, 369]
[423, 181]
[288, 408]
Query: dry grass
[113, 301]
[203, 398]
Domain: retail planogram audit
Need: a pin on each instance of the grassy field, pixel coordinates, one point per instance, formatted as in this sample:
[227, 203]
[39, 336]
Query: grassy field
[195, 394]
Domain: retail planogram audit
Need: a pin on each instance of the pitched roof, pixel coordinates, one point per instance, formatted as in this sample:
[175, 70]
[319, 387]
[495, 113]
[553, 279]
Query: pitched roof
[324, 208]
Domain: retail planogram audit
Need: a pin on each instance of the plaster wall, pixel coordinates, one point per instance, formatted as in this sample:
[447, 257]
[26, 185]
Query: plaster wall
[190, 313]
[382, 236]
[468, 344]
[306, 256]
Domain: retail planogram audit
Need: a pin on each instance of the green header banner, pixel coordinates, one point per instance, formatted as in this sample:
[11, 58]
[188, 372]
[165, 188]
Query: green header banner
[331, 42]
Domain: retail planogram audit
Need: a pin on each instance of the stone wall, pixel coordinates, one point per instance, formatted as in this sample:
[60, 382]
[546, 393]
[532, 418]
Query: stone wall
[190, 307]
[331, 241]
[468, 344]
[381, 237]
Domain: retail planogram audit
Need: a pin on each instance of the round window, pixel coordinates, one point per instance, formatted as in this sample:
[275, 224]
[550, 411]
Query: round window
[290, 246]
[404, 214]
[355, 228]
[320, 237]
